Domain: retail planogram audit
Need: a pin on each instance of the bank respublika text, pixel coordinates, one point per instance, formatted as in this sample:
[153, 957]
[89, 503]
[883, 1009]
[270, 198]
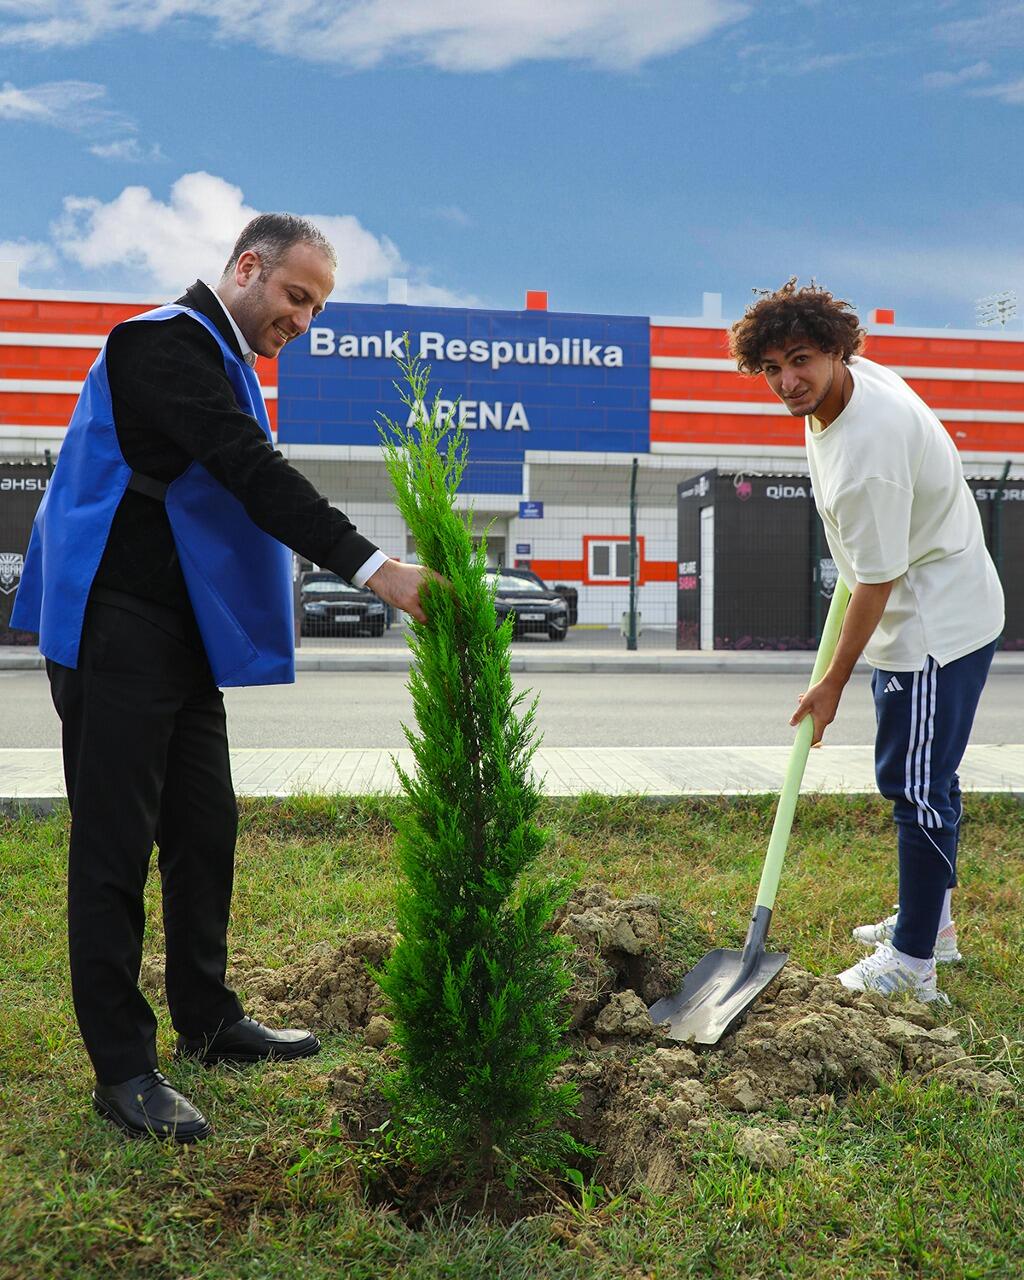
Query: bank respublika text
[494, 352]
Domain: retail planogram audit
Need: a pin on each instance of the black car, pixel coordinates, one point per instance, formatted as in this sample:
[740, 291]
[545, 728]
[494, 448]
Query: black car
[331, 606]
[533, 605]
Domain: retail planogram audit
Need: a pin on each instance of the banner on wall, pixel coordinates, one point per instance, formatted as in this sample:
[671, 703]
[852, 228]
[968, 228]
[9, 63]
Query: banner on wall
[514, 380]
[22, 485]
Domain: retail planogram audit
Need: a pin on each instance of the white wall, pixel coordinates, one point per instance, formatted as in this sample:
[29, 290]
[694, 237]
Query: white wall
[360, 492]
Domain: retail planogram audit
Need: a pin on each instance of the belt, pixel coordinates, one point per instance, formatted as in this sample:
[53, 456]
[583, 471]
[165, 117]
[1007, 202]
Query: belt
[181, 626]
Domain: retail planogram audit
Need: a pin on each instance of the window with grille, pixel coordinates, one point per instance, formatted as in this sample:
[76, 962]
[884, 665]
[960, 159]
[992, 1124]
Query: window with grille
[609, 560]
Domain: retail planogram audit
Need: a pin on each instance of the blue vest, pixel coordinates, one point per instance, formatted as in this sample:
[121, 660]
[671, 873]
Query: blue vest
[239, 578]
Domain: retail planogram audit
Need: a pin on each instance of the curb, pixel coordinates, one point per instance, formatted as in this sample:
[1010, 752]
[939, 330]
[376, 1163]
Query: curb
[594, 662]
[637, 663]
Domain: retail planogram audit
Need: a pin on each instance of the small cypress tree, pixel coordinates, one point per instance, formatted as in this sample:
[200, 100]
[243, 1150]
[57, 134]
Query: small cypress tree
[476, 980]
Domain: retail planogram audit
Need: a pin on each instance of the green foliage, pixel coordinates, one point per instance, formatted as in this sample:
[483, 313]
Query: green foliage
[476, 980]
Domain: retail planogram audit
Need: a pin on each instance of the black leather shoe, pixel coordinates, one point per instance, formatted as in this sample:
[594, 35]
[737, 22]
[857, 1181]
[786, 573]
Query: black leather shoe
[248, 1041]
[147, 1106]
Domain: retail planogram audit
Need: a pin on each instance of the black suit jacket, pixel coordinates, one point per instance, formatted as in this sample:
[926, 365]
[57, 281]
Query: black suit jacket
[173, 404]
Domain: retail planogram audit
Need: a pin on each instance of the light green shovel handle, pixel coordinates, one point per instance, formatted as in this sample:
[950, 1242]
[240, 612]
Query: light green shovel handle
[798, 756]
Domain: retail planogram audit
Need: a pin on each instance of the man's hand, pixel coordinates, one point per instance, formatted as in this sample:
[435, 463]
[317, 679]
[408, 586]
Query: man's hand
[822, 702]
[867, 604]
[400, 585]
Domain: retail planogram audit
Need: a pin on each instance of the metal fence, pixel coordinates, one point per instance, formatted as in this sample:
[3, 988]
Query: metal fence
[755, 570]
[707, 559]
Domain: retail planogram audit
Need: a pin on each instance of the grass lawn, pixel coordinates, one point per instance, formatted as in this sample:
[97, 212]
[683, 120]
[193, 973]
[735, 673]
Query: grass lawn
[904, 1180]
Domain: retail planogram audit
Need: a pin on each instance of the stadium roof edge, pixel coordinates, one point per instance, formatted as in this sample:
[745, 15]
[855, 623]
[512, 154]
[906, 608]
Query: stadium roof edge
[661, 322]
[76, 295]
[875, 330]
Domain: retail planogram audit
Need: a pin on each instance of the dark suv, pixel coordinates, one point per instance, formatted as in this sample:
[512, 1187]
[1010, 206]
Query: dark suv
[531, 602]
[331, 606]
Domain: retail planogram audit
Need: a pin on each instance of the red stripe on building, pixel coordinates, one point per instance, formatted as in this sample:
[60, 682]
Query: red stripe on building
[711, 429]
[44, 409]
[34, 409]
[1004, 396]
[61, 363]
[708, 384]
[963, 353]
[724, 428]
[892, 349]
[35, 315]
[703, 384]
[712, 344]
[572, 571]
[577, 570]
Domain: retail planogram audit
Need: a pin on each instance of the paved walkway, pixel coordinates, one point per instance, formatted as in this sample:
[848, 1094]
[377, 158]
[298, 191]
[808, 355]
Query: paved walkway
[33, 776]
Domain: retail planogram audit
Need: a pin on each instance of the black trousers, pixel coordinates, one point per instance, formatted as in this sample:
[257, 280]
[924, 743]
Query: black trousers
[145, 760]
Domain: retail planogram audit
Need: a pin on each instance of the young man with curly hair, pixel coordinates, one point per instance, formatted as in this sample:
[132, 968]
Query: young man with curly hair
[926, 606]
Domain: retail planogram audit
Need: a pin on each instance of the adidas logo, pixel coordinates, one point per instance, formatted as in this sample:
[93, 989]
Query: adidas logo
[893, 686]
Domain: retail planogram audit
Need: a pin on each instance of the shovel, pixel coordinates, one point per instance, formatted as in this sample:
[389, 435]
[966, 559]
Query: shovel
[722, 986]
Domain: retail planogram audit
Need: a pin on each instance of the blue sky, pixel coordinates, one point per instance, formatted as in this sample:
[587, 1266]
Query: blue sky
[626, 155]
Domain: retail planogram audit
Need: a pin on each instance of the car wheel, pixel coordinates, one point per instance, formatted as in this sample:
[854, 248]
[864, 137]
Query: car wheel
[557, 633]
[377, 627]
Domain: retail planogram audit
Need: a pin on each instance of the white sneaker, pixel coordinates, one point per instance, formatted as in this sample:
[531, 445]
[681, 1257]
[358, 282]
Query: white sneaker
[883, 971]
[870, 935]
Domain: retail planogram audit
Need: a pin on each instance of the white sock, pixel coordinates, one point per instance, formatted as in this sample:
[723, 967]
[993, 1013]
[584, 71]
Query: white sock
[914, 963]
[946, 918]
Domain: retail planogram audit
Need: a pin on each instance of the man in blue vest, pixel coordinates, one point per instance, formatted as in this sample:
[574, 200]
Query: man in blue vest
[157, 572]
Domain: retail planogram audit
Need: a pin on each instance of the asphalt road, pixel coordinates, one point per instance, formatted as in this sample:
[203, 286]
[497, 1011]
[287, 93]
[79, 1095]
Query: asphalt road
[366, 709]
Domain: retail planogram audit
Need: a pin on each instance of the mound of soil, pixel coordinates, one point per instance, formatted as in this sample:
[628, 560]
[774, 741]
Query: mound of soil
[644, 1100]
[329, 989]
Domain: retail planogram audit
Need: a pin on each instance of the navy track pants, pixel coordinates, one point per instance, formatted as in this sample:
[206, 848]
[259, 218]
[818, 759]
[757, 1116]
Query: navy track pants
[924, 719]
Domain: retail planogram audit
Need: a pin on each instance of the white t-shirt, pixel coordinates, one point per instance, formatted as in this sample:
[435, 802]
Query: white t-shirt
[890, 490]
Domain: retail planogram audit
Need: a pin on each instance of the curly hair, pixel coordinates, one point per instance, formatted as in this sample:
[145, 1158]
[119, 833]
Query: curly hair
[811, 313]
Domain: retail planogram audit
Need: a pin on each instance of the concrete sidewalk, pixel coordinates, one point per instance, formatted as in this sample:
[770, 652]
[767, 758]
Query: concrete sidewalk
[33, 777]
[557, 658]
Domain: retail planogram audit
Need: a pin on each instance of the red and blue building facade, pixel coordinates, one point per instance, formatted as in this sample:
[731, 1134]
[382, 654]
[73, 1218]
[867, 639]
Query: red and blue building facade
[556, 406]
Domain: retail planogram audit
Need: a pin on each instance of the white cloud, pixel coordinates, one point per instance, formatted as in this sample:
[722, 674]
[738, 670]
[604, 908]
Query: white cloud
[454, 35]
[364, 260]
[158, 245]
[30, 255]
[1012, 92]
[16, 104]
[138, 242]
[129, 150]
[761, 63]
[1000, 26]
[424, 294]
[951, 79]
[451, 213]
[77, 106]
[67, 104]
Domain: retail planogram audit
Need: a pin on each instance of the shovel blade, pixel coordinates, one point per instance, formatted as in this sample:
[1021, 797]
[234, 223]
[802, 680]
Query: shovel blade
[716, 992]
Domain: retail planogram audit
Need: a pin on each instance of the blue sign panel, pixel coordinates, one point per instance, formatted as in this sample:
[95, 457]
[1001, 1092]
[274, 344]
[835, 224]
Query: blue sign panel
[518, 380]
[522, 548]
[531, 511]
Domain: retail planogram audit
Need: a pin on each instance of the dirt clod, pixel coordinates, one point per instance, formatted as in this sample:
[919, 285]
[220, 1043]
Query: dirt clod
[763, 1150]
[378, 1032]
[625, 1014]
